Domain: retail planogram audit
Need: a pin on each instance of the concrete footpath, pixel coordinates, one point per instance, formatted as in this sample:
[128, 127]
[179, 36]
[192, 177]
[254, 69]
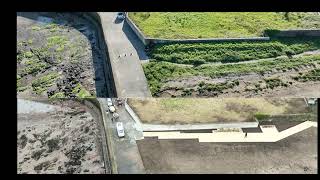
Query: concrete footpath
[269, 134]
[126, 53]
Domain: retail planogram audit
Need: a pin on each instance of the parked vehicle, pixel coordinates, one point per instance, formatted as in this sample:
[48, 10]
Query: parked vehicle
[120, 129]
[112, 109]
[121, 15]
[115, 116]
[109, 101]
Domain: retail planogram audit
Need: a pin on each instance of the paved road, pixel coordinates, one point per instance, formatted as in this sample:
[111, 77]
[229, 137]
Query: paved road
[121, 41]
[126, 152]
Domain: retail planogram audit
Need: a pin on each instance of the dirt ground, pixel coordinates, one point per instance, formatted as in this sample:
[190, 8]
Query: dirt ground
[62, 50]
[211, 110]
[295, 154]
[66, 140]
[250, 85]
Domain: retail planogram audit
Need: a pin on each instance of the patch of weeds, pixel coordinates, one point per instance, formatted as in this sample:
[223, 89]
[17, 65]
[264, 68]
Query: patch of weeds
[36, 28]
[52, 27]
[274, 82]
[43, 83]
[218, 87]
[28, 54]
[186, 92]
[33, 66]
[21, 89]
[260, 116]
[313, 75]
[57, 41]
[57, 95]
[30, 41]
[80, 92]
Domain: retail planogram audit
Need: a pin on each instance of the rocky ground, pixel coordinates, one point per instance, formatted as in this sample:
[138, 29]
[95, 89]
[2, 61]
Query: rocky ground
[58, 56]
[66, 140]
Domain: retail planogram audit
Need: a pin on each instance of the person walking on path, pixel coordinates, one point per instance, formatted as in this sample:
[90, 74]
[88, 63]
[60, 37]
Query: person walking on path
[245, 135]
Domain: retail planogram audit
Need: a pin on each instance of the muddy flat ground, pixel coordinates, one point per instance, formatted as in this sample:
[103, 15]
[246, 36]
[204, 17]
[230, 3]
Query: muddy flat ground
[58, 55]
[295, 154]
[64, 140]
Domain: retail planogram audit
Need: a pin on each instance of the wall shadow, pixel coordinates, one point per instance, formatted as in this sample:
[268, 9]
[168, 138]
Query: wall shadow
[135, 41]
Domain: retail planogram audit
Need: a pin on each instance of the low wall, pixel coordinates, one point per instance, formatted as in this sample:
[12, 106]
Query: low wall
[132, 114]
[278, 33]
[94, 107]
[205, 40]
[137, 31]
[177, 127]
[94, 17]
[297, 33]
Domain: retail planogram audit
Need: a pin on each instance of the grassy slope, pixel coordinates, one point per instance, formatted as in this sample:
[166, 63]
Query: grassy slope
[199, 53]
[218, 24]
[159, 72]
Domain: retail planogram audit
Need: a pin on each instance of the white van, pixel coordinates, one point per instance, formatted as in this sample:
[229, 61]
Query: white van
[109, 101]
[120, 129]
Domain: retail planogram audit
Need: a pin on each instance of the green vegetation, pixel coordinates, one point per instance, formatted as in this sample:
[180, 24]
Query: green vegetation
[52, 27]
[217, 88]
[80, 92]
[33, 66]
[41, 84]
[57, 95]
[274, 82]
[20, 87]
[159, 72]
[219, 24]
[57, 41]
[260, 116]
[313, 75]
[225, 52]
[36, 28]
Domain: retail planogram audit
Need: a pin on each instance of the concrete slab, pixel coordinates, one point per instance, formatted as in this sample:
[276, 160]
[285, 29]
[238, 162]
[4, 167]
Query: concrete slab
[268, 134]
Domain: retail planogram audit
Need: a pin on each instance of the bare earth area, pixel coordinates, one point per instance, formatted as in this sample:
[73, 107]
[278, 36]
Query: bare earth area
[211, 110]
[65, 140]
[295, 154]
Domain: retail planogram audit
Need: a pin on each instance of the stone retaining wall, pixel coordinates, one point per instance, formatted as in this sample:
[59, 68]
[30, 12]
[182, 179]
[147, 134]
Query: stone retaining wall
[94, 17]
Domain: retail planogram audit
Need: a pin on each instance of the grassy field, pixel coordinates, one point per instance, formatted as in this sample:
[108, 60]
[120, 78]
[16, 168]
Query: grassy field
[210, 110]
[225, 52]
[219, 24]
[159, 72]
